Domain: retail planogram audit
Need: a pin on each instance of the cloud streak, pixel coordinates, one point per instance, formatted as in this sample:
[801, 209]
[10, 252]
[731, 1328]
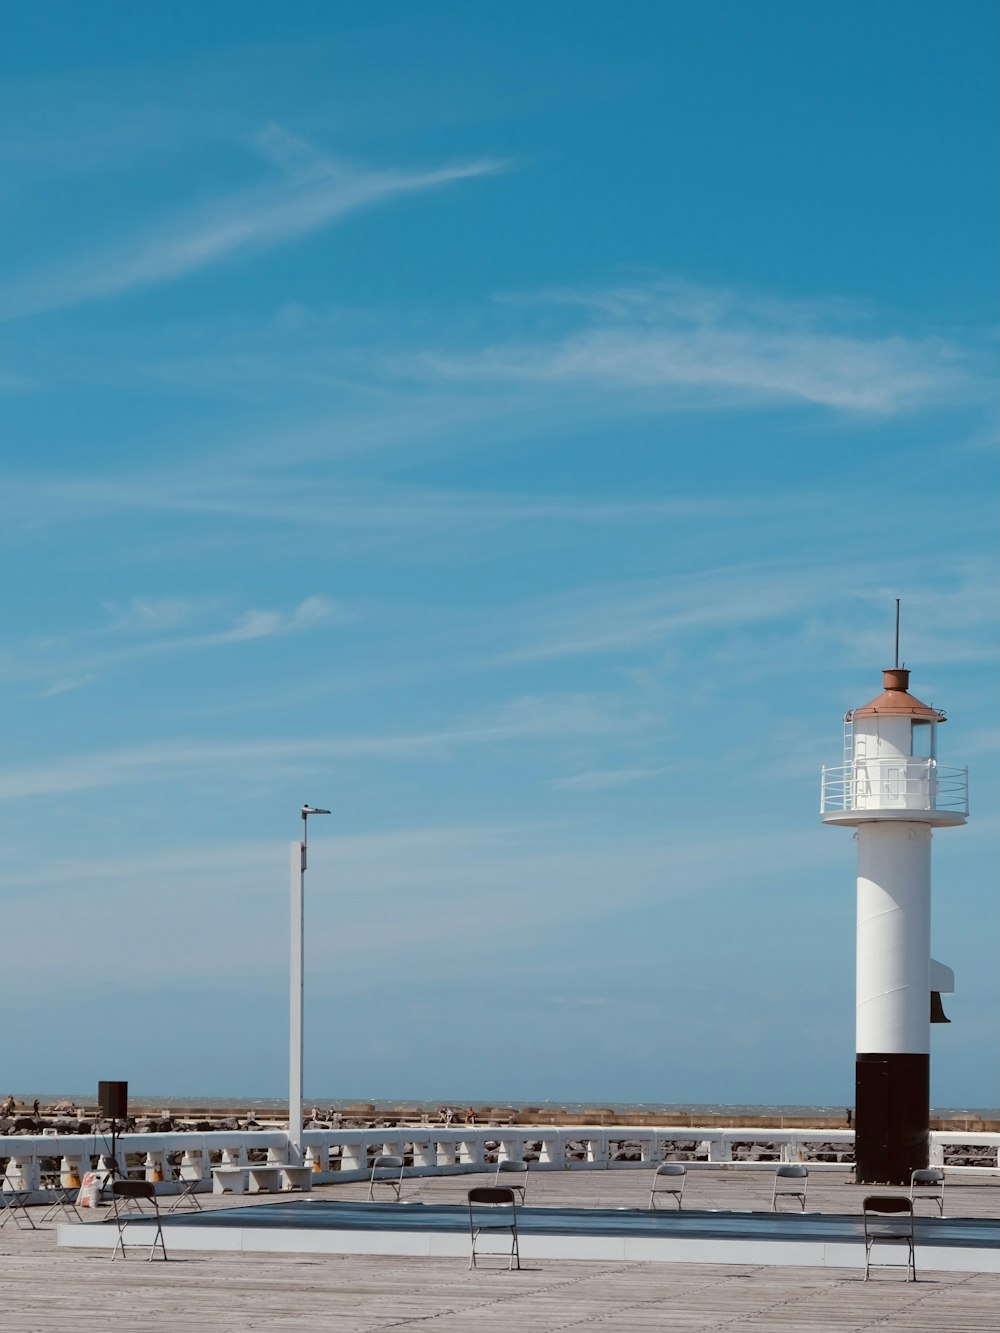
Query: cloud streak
[637, 615]
[71, 662]
[524, 719]
[692, 342]
[356, 505]
[604, 779]
[313, 193]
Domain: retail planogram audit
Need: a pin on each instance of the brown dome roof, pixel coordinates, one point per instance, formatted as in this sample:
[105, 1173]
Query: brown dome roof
[894, 700]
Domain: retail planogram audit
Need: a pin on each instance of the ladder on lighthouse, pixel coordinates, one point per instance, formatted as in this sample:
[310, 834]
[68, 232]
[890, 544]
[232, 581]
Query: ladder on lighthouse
[856, 782]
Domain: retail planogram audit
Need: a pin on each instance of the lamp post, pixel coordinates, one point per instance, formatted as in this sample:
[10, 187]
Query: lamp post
[297, 883]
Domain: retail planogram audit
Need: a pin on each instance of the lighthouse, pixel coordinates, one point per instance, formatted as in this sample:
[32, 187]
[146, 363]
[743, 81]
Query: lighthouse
[892, 791]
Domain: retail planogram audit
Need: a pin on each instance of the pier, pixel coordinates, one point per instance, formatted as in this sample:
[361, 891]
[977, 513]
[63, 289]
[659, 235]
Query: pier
[45, 1288]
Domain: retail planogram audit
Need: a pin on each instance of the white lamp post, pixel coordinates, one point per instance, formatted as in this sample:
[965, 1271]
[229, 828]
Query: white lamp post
[297, 882]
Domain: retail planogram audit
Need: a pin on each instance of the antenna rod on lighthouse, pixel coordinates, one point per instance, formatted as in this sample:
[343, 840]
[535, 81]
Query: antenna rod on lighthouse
[896, 663]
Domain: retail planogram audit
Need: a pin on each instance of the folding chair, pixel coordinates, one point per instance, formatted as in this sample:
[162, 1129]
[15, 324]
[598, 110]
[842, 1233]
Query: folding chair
[889, 1217]
[492, 1201]
[188, 1192]
[930, 1183]
[668, 1178]
[13, 1203]
[134, 1192]
[64, 1201]
[799, 1178]
[509, 1169]
[386, 1162]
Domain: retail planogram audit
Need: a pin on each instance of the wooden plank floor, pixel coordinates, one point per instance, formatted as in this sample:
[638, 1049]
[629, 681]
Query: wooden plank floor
[47, 1290]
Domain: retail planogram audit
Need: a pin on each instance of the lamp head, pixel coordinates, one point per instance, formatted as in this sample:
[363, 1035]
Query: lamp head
[313, 810]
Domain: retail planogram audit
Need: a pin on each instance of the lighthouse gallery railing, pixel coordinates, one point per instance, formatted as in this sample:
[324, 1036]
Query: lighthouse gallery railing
[893, 784]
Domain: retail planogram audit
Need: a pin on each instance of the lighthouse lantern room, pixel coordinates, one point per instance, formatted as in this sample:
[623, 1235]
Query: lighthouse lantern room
[894, 793]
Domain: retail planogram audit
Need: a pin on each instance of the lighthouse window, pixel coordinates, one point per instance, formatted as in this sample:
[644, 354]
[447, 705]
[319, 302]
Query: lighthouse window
[922, 740]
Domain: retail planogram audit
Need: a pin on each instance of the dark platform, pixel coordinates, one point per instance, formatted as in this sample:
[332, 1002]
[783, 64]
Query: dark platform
[317, 1214]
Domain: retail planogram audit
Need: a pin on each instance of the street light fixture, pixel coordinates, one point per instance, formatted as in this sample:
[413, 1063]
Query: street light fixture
[297, 883]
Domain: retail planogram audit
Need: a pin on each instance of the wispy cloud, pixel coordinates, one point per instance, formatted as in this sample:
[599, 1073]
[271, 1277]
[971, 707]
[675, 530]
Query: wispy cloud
[343, 506]
[604, 779]
[526, 718]
[692, 342]
[638, 614]
[736, 612]
[487, 878]
[310, 192]
[66, 663]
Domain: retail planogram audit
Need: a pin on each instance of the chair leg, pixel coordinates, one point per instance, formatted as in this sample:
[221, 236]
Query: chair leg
[514, 1261]
[158, 1240]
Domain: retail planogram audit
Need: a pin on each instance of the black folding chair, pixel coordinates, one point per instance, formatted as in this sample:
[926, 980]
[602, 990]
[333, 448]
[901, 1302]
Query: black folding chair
[889, 1218]
[668, 1178]
[188, 1193]
[127, 1194]
[488, 1204]
[64, 1198]
[928, 1183]
[790, 1182]
[509, 1170]
[390, 1165]
[13, 1203]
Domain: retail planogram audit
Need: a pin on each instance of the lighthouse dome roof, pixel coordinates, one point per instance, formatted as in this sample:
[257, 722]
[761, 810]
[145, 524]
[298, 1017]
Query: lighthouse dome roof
[896, 701]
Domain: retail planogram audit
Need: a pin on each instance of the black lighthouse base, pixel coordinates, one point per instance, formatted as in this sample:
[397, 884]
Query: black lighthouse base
[891, 1117]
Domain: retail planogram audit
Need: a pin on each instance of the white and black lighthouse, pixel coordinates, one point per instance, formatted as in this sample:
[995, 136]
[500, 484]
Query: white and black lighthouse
[893, 792]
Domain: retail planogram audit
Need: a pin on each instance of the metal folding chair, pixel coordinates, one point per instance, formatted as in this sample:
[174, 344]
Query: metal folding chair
[487, 1205]
[13, 1203]
[386, 1162]
[188, 1194]
[928, 1183]
[131, 1193]
[64, 1200]
[889, 1217]
[509, 1170]
[790, 1182]
[668, 1178]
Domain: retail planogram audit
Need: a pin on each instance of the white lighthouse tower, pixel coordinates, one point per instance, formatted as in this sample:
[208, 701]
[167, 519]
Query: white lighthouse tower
[892, 790]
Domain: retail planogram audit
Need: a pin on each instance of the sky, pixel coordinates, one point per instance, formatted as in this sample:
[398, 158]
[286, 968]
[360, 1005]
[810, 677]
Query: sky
[508, 426]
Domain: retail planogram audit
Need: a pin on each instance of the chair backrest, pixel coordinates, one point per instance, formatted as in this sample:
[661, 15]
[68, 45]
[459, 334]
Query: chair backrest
[520, 1167]
[133, 1189]
[929, 1175]
[387, 1159]
[888, 1217]
[792, 1171]
[887, 1203]
[671, 1169]
[492, 1194]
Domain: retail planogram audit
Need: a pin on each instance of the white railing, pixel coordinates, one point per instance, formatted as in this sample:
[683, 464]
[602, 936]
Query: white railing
[170, 1160]
[894, 784]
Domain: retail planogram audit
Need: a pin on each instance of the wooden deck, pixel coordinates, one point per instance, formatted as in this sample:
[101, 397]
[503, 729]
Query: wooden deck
[47, 1290]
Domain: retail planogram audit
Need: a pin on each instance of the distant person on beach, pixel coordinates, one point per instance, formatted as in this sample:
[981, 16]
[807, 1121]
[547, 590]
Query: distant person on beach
[8, 1106]
[470, 1116]
[848, 1116]
[34, 1107]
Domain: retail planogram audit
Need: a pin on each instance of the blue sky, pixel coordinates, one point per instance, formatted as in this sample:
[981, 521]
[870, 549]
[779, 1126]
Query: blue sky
[508, 425]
